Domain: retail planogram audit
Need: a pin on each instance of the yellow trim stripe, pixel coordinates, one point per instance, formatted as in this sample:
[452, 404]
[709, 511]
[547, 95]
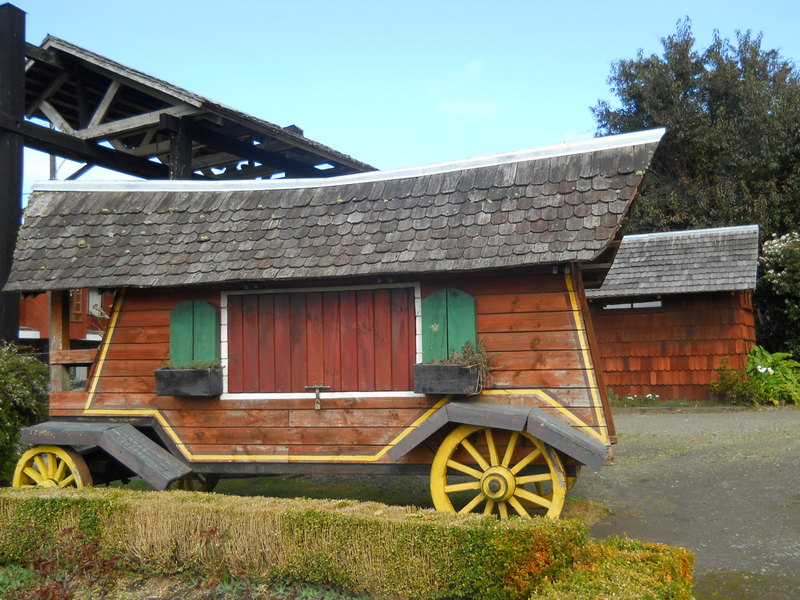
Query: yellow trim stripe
[115, 310]
[587, 360]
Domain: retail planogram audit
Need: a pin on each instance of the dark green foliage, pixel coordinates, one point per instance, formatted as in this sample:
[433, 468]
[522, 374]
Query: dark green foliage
[731, 154]
[23, 401]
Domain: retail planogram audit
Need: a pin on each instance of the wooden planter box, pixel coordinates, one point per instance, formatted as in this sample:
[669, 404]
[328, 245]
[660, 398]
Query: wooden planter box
[188, 382]
[445, 379]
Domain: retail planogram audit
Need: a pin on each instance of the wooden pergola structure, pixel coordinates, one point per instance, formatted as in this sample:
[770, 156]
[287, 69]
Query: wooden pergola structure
[70, 102]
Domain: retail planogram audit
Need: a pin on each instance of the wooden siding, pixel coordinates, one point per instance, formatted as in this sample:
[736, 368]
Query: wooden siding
[529, 323]
[35, 310]
[673, 351]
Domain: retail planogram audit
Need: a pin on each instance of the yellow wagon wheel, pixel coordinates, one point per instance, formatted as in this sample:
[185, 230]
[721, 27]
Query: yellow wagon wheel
[51, 466]
[480, 469]
[195, 482]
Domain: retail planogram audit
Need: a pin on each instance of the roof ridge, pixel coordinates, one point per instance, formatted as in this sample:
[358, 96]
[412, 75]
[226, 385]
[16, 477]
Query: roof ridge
[704, 230]
[566, 149]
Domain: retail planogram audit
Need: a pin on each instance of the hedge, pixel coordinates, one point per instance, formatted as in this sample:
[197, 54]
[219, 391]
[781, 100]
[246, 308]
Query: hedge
[357, 547]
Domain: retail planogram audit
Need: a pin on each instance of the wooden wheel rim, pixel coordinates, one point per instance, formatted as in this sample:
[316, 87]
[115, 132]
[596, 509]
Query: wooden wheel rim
[195, 482]
[51, 466]
[494, 478]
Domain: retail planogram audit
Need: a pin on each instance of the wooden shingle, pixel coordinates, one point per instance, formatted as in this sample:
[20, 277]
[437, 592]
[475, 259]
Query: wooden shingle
[526, 207]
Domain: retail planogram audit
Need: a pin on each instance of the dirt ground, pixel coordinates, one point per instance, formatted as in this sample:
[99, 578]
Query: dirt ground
[723, 483]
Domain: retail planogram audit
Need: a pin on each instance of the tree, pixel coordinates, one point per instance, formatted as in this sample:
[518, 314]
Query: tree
[731, 154]
[23, 401]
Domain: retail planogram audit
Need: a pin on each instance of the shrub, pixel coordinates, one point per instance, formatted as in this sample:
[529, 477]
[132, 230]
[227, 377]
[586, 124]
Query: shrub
[778, 373]
[737, 388]
[626, 569]
[23, 401]
[360, 548]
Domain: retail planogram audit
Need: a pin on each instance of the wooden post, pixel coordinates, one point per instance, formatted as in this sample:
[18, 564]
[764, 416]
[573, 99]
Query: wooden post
[12, 105]
[59, 338]
[180, 150]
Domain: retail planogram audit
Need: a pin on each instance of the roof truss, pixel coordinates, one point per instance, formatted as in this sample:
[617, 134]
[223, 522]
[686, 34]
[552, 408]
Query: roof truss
[87, 108]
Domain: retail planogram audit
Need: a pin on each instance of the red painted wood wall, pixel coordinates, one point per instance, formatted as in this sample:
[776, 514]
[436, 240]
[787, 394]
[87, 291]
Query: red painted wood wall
[527, 321]
[34, 314]
[673, 351]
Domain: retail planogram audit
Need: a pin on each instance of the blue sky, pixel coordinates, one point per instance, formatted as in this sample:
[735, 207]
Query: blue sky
[392, 83]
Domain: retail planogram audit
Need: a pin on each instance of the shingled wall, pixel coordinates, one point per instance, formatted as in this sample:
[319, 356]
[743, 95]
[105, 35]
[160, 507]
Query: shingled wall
[674, 350]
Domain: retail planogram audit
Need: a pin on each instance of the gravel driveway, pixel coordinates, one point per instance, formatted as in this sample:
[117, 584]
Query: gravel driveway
[724, 483]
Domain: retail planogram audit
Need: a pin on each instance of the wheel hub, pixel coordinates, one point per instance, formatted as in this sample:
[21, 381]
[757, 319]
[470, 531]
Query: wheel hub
[498, 484]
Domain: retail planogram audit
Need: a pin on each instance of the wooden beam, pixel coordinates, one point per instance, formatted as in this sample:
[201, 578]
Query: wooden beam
[72, 357]
[131, 124]
[51, 89]
[249, 151]
[102, 108]
[62, 144]
[44, 56]
[12, 107]
[55, 117]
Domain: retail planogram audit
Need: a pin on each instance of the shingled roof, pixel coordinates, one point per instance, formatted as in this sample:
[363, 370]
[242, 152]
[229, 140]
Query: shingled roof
[683, 262]
[553, 205]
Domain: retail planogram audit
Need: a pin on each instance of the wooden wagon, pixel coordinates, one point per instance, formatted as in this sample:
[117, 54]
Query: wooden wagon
[299, 326]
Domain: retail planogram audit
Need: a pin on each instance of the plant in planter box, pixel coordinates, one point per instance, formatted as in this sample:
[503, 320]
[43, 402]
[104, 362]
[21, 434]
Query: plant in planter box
[466, 371]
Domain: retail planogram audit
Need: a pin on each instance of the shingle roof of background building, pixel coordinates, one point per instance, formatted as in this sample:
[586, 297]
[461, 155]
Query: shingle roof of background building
[553, 205]
[683, 262]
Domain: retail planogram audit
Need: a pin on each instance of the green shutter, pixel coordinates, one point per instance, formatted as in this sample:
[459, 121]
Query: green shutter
[461, 326]
[434, 326]
[448, 322]
[193, 334]
[206, 333]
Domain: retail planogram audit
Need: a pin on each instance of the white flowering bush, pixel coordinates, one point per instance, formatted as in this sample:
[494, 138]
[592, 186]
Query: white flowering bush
[23, 401]
[778, 294]
[777, 372]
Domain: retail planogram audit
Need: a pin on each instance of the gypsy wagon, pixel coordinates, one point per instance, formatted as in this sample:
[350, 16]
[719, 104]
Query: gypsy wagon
[292, 326]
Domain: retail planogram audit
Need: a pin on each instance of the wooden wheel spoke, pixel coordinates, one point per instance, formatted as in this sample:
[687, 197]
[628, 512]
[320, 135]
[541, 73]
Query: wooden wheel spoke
[493, 459]
[66, 481]
[59, 473]
[472, 504]
[454, 464]
[541, 477]
[33, 474]
[517, 506]
[528, 459]
[512, 444]
[487, 510]
[462, 487]
[40, 463]
[473, 452]
[502, 509]
[531, 497]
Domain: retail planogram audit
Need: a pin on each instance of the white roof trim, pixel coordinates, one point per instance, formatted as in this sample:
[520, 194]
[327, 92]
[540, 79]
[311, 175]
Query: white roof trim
[593, 145]
[685, 232]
